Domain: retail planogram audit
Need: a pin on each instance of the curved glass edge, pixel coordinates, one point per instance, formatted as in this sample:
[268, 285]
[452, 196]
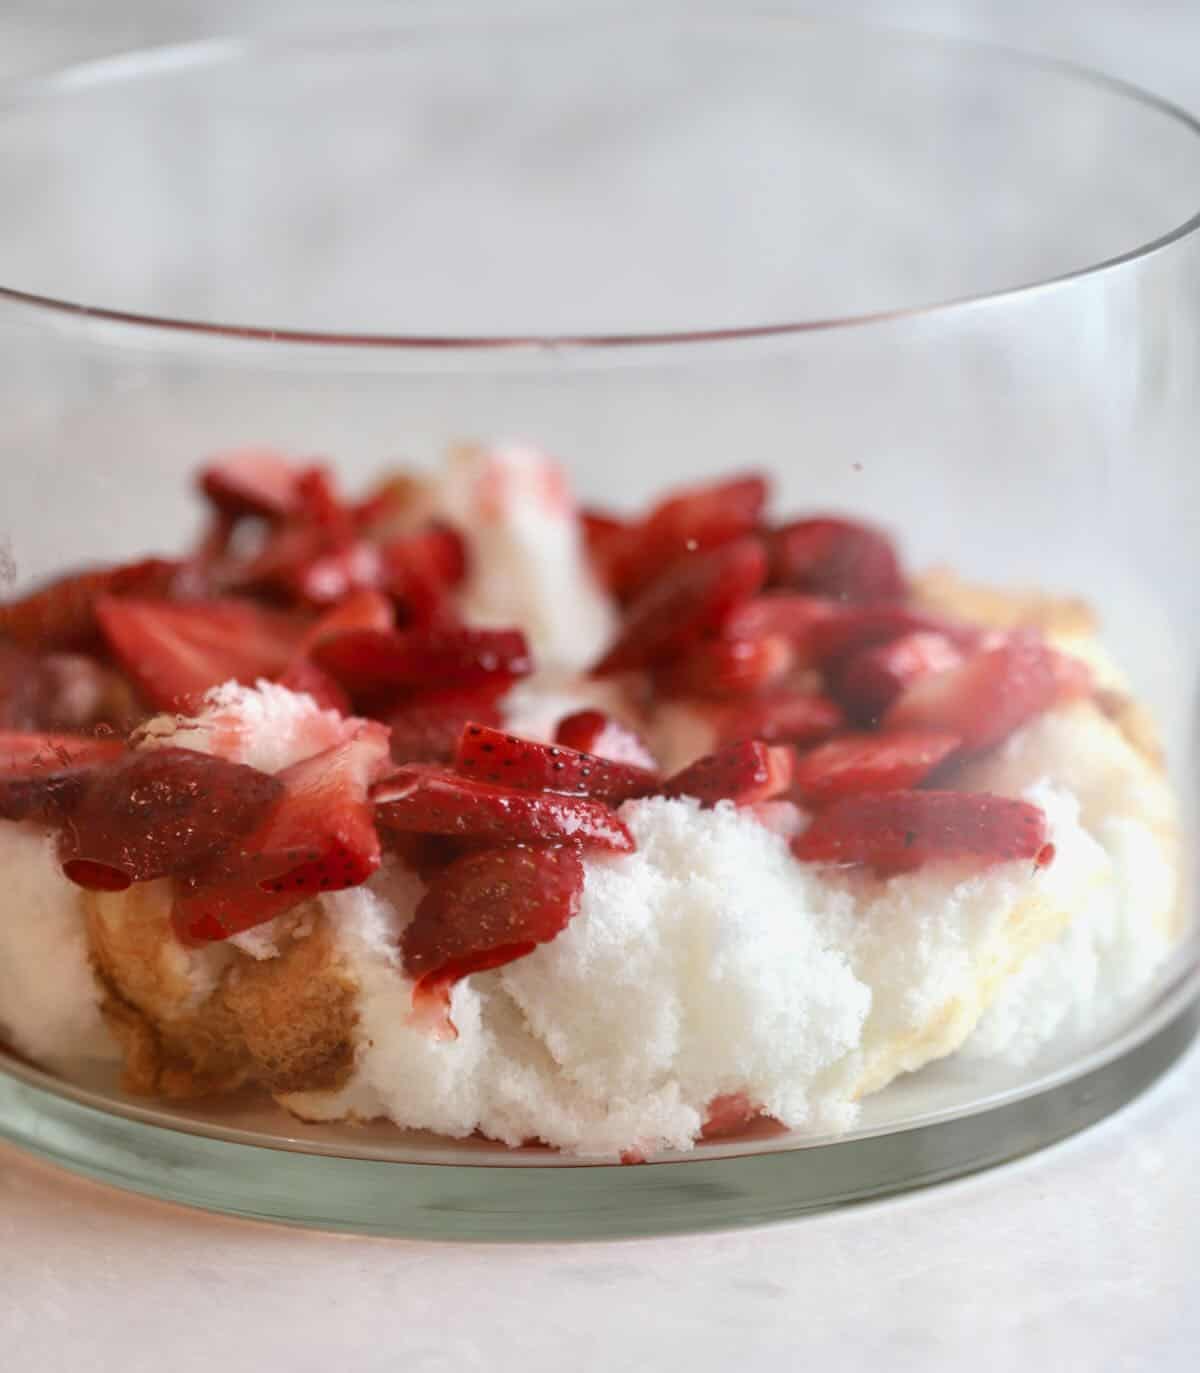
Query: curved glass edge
[233, 48]
[453, 1202]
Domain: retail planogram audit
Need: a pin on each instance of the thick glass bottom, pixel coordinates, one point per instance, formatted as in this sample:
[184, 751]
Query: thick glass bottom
[382, 1182]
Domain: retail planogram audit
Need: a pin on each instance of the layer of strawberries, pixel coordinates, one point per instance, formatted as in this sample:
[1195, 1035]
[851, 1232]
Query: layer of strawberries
[797, 644]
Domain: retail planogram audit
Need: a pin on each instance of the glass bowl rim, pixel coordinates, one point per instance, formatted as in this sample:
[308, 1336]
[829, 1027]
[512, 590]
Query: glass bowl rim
[245, 48]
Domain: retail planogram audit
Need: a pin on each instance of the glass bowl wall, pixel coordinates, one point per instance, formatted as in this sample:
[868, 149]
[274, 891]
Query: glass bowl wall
[948, 288]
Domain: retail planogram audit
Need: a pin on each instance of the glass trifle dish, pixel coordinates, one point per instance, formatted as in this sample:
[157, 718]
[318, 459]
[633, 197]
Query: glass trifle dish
[551, 662]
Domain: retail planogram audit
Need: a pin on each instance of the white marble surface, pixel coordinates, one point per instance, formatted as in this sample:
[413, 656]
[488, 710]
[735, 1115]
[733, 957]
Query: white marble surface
[1080, 1258]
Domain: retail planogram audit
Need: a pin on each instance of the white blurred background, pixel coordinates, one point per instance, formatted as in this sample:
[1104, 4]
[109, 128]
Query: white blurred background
[1155, 43]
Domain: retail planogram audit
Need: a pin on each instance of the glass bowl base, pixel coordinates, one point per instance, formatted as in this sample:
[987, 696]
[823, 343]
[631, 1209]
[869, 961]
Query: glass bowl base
[475, 1191]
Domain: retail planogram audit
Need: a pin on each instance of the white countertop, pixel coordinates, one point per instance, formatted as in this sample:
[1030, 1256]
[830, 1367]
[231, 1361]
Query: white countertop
[1083, 1257]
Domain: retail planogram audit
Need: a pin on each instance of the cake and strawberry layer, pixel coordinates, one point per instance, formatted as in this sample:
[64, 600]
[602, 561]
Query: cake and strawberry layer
[463, 808]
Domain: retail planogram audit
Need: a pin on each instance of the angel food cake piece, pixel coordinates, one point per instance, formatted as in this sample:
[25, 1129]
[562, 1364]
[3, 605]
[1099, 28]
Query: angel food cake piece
[471, 811]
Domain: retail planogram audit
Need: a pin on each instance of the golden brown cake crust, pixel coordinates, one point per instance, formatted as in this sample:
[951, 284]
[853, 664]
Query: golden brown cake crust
[296, 1014]
[195, 1024]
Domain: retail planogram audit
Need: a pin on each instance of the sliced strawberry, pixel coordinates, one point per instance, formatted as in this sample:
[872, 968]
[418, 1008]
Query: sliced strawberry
[62, 613]
[490, 755]
[421, 571]
[304, 676]
[791, 614]
[692, 521]
[608, 543]
[899, 831]
[22, 753]
[687, 602]
[176, 652]
[744, 773]
[591, 731]
[780, 716]
[43, 776]
[20, 688]
[251, 481]
[362, 609]
[319, 504]
[729, 1114]
[436, 551]
[872, 678]
[985, 698]
[858, 763]
[427, 729]
[164, 811]
[370, 661]
[483, 911]
[429, 854]
[327, 578]
[319, 837]
[834, 640]
[720, 668]
[838, 558]
[430, 800]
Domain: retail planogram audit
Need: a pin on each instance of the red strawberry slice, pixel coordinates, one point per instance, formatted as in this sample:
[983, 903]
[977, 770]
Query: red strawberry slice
[175, 652]
[421, 572]
[371, 661]
[485, 910]
[319, 837]
[691, 521]
[720, 668]
[362, 609]
[62, 613]
[430, 800]
[691, 599]
[490, 755]
[729, 1114]
[855, 628]
[873, 677]
[43, 776]
[744, 773]
[780, 716]
[161, 812]
[427, 729]
[791, 614]
[326, 578]
[591, 731]
[899, 831]
[251, 481]
[437, 552]
[608, 543]
[22, 753]
[984, 699]
[858, 763]
[21, 683]
[838, 558]
[304, 676]
[319, 504]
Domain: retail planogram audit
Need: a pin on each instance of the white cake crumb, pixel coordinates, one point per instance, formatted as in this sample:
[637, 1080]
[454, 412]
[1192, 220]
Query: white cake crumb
[265, 726]
[527, 563]
[706, 963]
[49, 996]
[1121, 935]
